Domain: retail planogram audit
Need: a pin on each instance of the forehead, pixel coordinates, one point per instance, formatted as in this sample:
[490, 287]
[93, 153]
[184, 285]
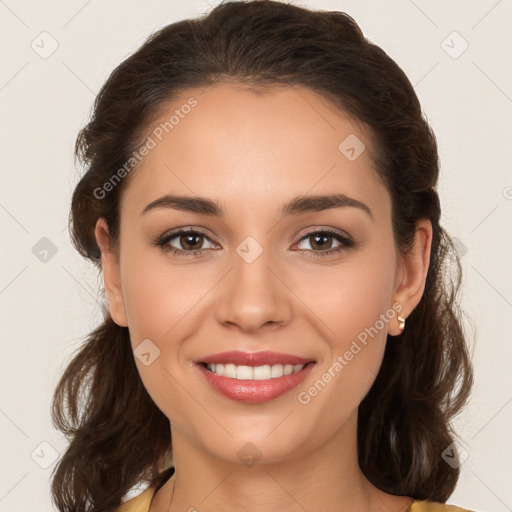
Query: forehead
[236, 144]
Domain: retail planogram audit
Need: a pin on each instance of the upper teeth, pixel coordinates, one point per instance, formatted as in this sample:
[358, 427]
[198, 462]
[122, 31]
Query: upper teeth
[254, 372]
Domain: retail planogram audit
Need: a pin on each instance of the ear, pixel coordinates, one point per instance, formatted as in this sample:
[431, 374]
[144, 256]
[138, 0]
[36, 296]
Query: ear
[412, 273]
[111, 274]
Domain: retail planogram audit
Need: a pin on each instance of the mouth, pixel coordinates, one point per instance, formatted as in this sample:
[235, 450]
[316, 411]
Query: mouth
[254, 384]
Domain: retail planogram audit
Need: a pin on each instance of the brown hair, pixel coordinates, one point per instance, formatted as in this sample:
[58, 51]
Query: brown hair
[117, 434]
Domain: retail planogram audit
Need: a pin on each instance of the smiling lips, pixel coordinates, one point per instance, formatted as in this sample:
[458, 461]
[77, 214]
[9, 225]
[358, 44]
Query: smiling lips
[254, 377]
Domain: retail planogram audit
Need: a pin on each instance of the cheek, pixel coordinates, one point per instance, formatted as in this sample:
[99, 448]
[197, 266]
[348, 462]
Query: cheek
[165, 304]
[159, 298]
[350, 299]
[354, 305]
[160, 302]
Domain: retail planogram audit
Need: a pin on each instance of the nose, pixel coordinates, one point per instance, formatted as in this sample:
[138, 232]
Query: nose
[253, 296]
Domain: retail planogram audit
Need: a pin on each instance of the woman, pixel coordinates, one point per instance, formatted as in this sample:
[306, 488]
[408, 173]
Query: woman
[260, 198]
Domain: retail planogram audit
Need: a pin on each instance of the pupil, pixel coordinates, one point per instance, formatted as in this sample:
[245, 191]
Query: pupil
[321, 237]
[190, 237]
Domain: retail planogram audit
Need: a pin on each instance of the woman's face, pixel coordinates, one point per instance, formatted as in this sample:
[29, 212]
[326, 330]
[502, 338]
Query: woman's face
[253, 277]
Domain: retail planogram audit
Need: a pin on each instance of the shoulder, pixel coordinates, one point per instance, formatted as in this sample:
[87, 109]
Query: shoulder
[430, 506]
[140, 503]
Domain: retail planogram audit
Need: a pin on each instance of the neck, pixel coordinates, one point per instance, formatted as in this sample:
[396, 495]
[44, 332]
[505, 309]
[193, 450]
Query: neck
[326, 478]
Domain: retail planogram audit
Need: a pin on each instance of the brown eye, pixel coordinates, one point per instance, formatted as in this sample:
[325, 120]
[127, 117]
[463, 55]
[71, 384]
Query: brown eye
[184, 242]
[191, 242]
[320, 242]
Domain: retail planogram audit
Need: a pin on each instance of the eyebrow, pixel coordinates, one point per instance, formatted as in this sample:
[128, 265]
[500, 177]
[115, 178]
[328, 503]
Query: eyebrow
[296, 206]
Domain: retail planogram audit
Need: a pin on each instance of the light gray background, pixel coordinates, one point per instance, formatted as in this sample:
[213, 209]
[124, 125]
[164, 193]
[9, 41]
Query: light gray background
[48, 306]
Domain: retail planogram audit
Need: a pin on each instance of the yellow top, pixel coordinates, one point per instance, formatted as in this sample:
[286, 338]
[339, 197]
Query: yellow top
[142, 502]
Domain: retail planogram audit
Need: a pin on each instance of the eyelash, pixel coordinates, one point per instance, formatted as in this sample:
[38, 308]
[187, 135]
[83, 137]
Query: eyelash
[162, 242]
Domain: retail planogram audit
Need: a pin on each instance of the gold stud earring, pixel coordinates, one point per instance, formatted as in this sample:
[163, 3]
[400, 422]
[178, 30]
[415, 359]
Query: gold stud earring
[401, 325]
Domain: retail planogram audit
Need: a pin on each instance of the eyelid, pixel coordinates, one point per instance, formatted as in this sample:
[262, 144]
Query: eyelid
[184, 230]
[203, 231]
[173, 233]
[334, 231]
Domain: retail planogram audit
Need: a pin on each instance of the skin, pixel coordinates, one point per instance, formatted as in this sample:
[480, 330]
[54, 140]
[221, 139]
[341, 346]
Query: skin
[252, 153]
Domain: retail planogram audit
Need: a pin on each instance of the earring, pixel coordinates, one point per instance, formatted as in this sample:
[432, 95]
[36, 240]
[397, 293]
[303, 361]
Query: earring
[401, 325]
